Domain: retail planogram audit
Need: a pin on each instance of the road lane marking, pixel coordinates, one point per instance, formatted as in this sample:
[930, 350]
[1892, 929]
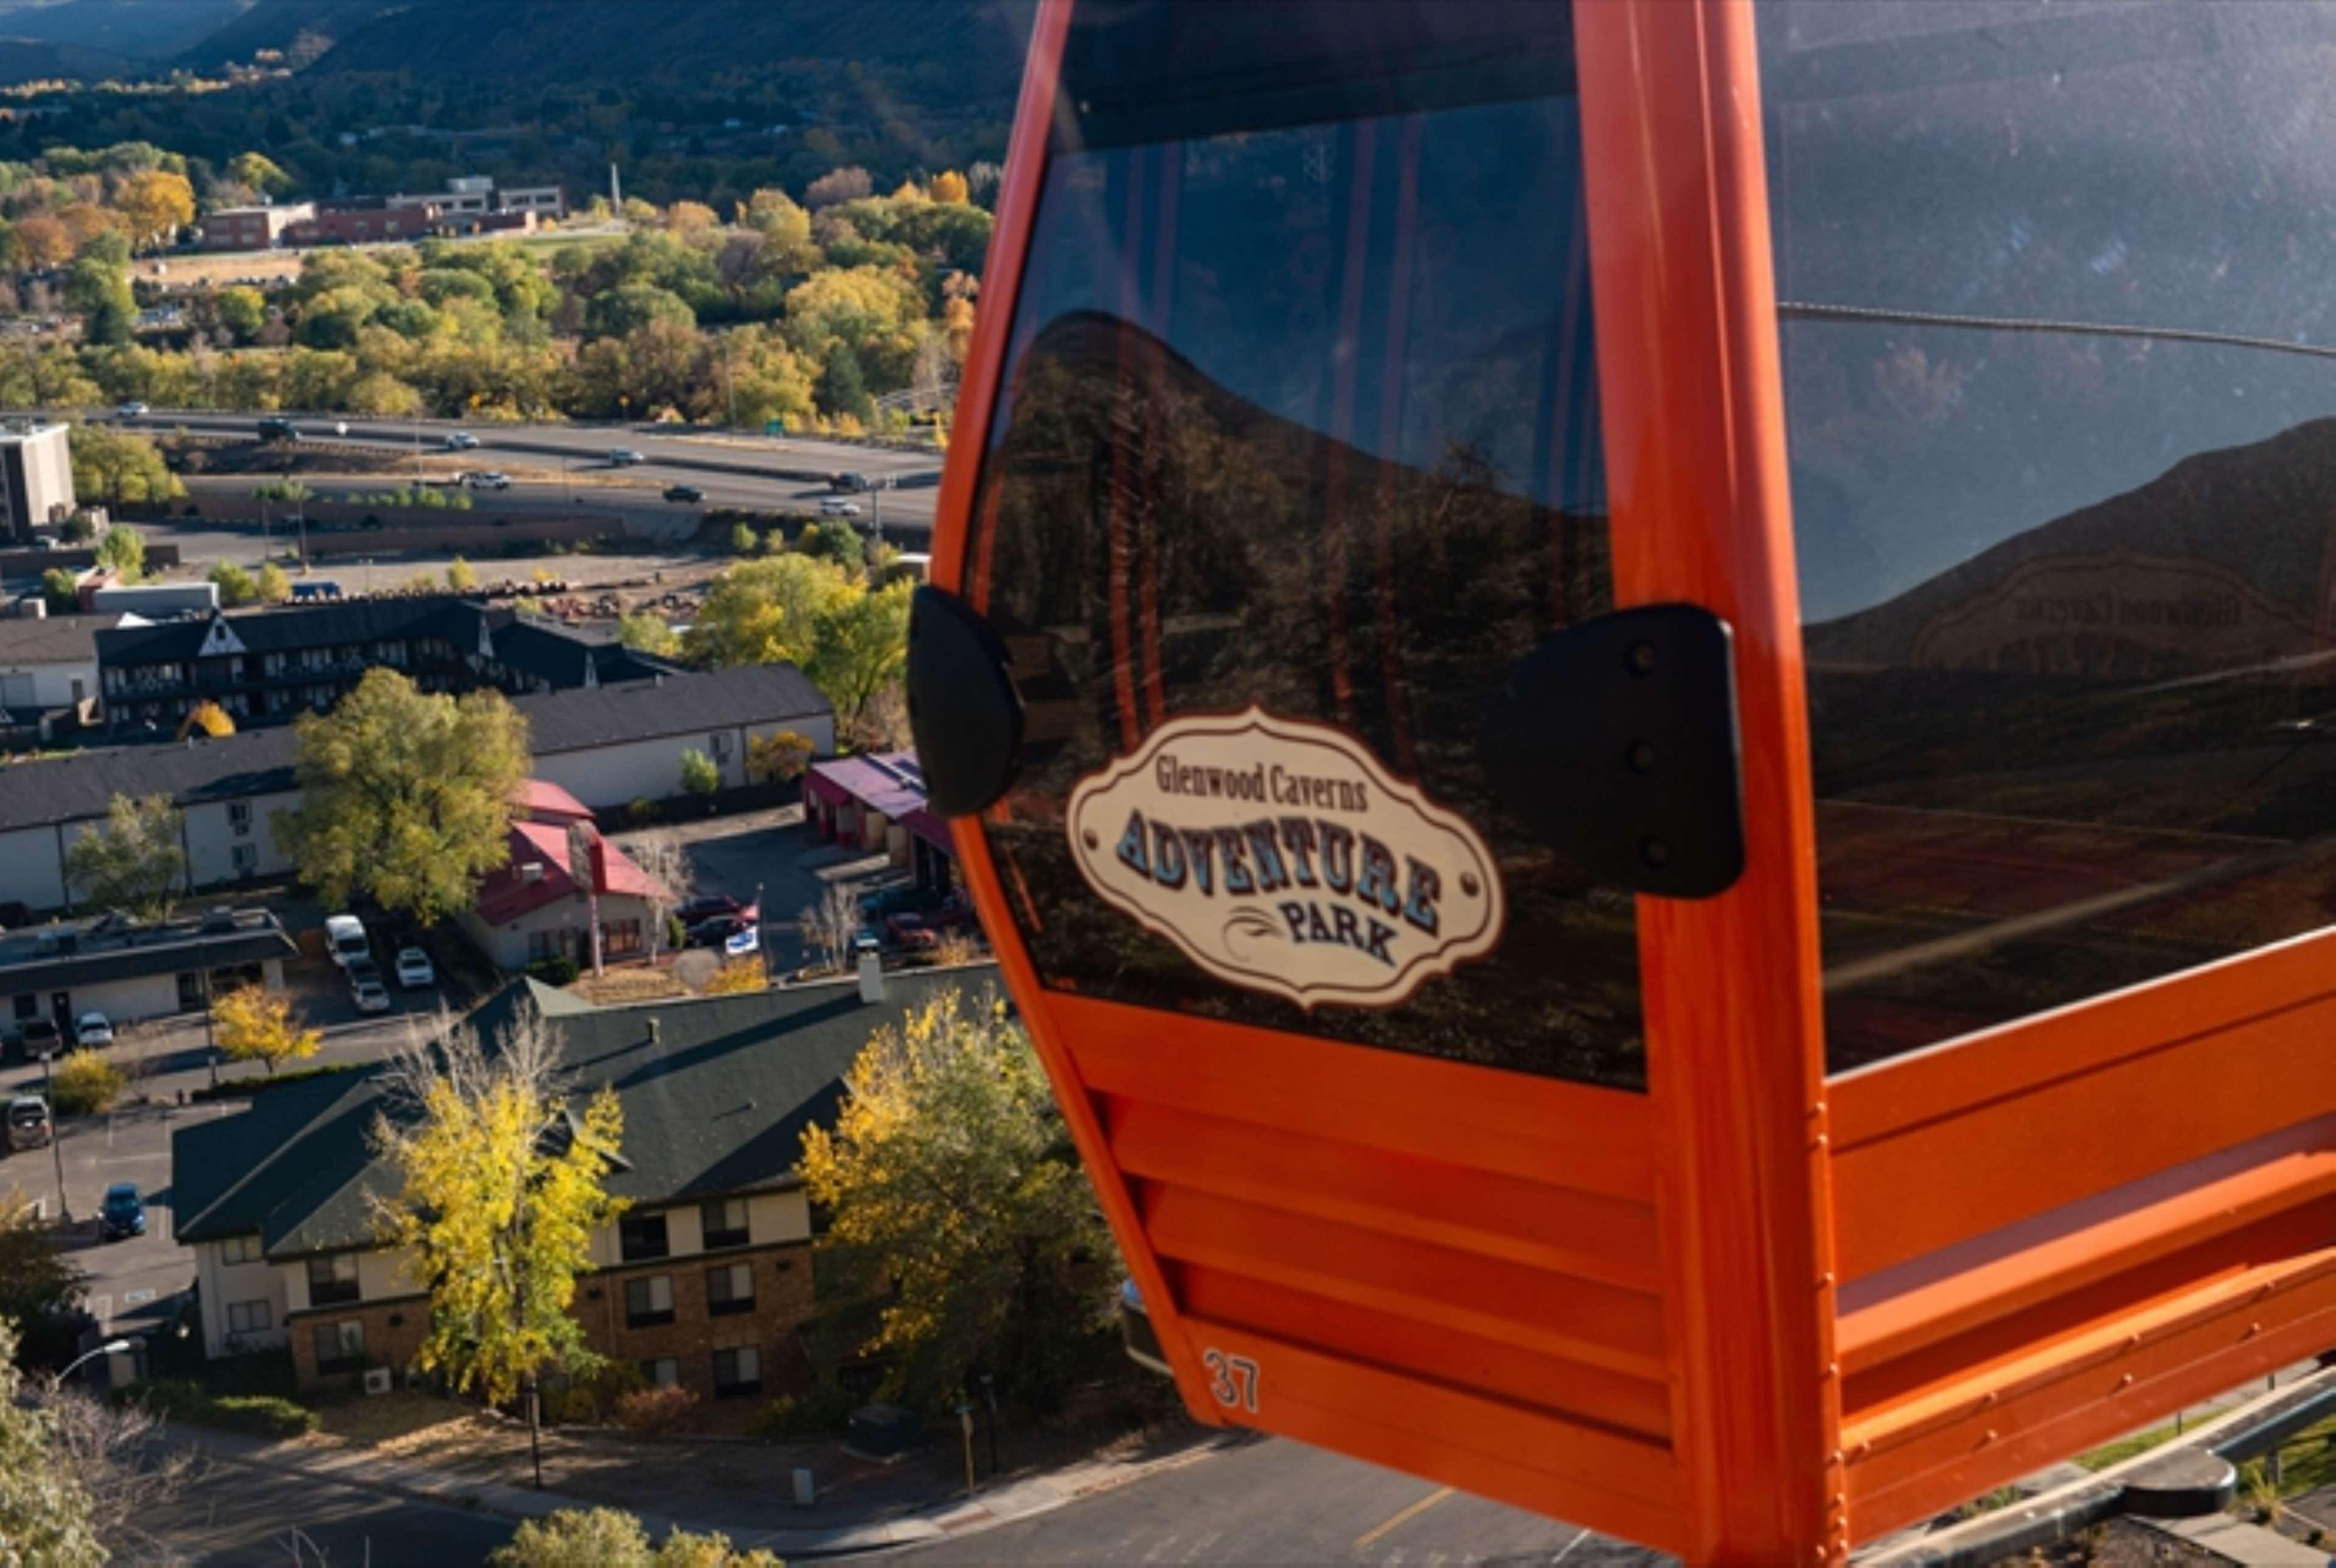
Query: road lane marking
[1414, 1512]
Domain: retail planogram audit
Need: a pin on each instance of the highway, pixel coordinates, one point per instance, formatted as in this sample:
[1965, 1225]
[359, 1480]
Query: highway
[771, 472]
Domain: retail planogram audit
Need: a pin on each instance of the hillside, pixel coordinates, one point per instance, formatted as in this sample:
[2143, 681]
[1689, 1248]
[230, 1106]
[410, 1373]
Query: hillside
[963, 46]
[35, 60]
[139, 30]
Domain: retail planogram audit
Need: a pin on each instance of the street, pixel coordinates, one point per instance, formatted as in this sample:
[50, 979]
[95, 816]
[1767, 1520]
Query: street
[239, 1516]
[733, 469]
[1277, 1502]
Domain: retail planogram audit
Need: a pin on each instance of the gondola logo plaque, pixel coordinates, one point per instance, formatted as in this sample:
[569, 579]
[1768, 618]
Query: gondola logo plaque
[1281, 856]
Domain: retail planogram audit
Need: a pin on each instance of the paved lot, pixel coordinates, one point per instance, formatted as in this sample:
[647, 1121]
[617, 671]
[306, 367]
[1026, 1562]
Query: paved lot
[237, 1517]
[136, 1284]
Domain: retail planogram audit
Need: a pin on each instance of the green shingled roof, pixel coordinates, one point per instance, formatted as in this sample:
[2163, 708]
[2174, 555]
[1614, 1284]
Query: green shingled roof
[716, 1103]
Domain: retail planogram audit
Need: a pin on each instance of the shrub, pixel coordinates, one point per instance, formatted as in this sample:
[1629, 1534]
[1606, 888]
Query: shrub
[641, 810]
[254, 1414]
[593, 1397]
[736, 976]
[239, 1088]
[821, 1414]
[656, 1409]
[558, 971]
[701, 776]
[85, 1083]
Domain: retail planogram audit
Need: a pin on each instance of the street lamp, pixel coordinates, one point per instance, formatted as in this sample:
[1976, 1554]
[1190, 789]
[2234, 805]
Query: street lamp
[111, 1348]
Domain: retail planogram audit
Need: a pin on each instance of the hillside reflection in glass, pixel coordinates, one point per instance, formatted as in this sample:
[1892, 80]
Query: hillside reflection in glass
[1299, 414]
[2070, 595]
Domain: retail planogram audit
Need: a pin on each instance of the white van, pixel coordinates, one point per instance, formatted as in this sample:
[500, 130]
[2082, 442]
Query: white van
[346, 936]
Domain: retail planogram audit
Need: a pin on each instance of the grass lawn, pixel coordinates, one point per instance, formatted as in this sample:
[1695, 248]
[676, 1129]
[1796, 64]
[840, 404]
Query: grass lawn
[2126, 1447]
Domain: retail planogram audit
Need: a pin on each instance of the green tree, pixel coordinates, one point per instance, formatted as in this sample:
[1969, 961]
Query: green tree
[767, 611]
[134, 862]
[949, 1174]
[701, 776]
[272, 585]
[862, 647]
[743, 538]
[259, 172]
[123, 551]
[634, 305]
[842, 385]
[119, 466]
[462, 576]
[39, 1286]
[498, 1192]
[44, 1507]
[62, 591]
[404, 796]
[648, 634]
[242, 311]
[99, 293]
[235, 585]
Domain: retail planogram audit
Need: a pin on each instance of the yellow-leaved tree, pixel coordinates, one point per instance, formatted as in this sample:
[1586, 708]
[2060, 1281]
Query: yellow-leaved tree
[255, 1025]
[949, 1176]
[778, 758]
[500, 1189]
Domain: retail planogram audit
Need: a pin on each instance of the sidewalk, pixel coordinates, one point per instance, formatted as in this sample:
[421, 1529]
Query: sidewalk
[959, 1516]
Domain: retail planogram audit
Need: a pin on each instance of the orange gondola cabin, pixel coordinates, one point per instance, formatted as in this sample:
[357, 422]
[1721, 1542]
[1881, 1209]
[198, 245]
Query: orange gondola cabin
[1637, 692]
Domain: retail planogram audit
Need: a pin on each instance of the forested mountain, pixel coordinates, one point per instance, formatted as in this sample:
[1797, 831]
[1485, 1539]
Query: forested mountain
[132, 30]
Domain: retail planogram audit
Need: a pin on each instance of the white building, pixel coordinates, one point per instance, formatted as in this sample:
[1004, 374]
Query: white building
[36, 487]
[606, 746]
[50, 662]
[131, 970]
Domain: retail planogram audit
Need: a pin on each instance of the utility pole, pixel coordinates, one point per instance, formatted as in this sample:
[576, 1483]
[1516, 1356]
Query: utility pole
[616, 195]
[56, 1130]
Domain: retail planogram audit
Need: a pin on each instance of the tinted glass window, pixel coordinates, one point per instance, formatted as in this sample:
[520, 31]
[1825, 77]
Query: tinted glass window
[1303, 416]
[2060, 362]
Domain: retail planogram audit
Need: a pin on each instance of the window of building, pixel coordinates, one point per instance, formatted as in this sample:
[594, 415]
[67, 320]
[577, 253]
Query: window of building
[238, 817]
[248, 1317]
[332, 1280]
[245, 859]
[730, 1289]
[239, 1250]
[738, 1372]
[340, 1345]
[663, 1372]
[719, 745]
[724, 1222]
[620, 938]
[641, 1237]
[542, 945]
[648, 1301]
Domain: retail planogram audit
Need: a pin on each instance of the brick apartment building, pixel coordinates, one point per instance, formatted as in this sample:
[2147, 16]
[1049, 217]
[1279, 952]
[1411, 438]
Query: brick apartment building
[705, 1279]
[362, 222]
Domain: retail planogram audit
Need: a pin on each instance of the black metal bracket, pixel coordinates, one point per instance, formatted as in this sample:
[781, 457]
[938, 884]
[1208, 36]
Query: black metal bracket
[1615, 743]
[963, 706]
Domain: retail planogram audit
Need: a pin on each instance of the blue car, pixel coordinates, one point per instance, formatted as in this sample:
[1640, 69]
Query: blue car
[123, 1212]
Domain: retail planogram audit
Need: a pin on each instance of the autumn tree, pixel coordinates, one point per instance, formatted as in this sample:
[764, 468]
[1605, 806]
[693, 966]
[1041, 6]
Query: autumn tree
[947, 186]
[119, 466]
[462, 576]
[273, 585]
[234, 584]
[154, 205]
[498, 1192]
[648, 633]
[134, 862]
[259, 172]
[39, 242]
[949, 1174]
[206, 717]
[838, 185]
[405, 795]
[779, 758]
[606, 1538]
[254, 1024]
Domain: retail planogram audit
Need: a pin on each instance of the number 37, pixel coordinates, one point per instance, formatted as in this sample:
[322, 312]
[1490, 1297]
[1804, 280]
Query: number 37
[1232, 1380]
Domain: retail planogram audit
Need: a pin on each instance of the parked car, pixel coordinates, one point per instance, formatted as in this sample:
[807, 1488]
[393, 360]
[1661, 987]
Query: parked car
[365, 988]
[134, 409]
[708, 906]
[713, 933]
[623, 457]
[912, 933]
[830, 507]
[121, 1213]
[849, 482]
[92, 1029]
[460, 441]
[489, 479]
[41, 1040]
[414, 968]
[345, 937]
[29, 1127]
[684, 492]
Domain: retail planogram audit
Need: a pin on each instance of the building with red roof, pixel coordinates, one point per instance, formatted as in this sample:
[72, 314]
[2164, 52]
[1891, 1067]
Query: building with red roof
[876, 802]
[538, 907]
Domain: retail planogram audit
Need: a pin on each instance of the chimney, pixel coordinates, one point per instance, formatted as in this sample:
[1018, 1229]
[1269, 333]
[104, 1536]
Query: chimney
[871, 978]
